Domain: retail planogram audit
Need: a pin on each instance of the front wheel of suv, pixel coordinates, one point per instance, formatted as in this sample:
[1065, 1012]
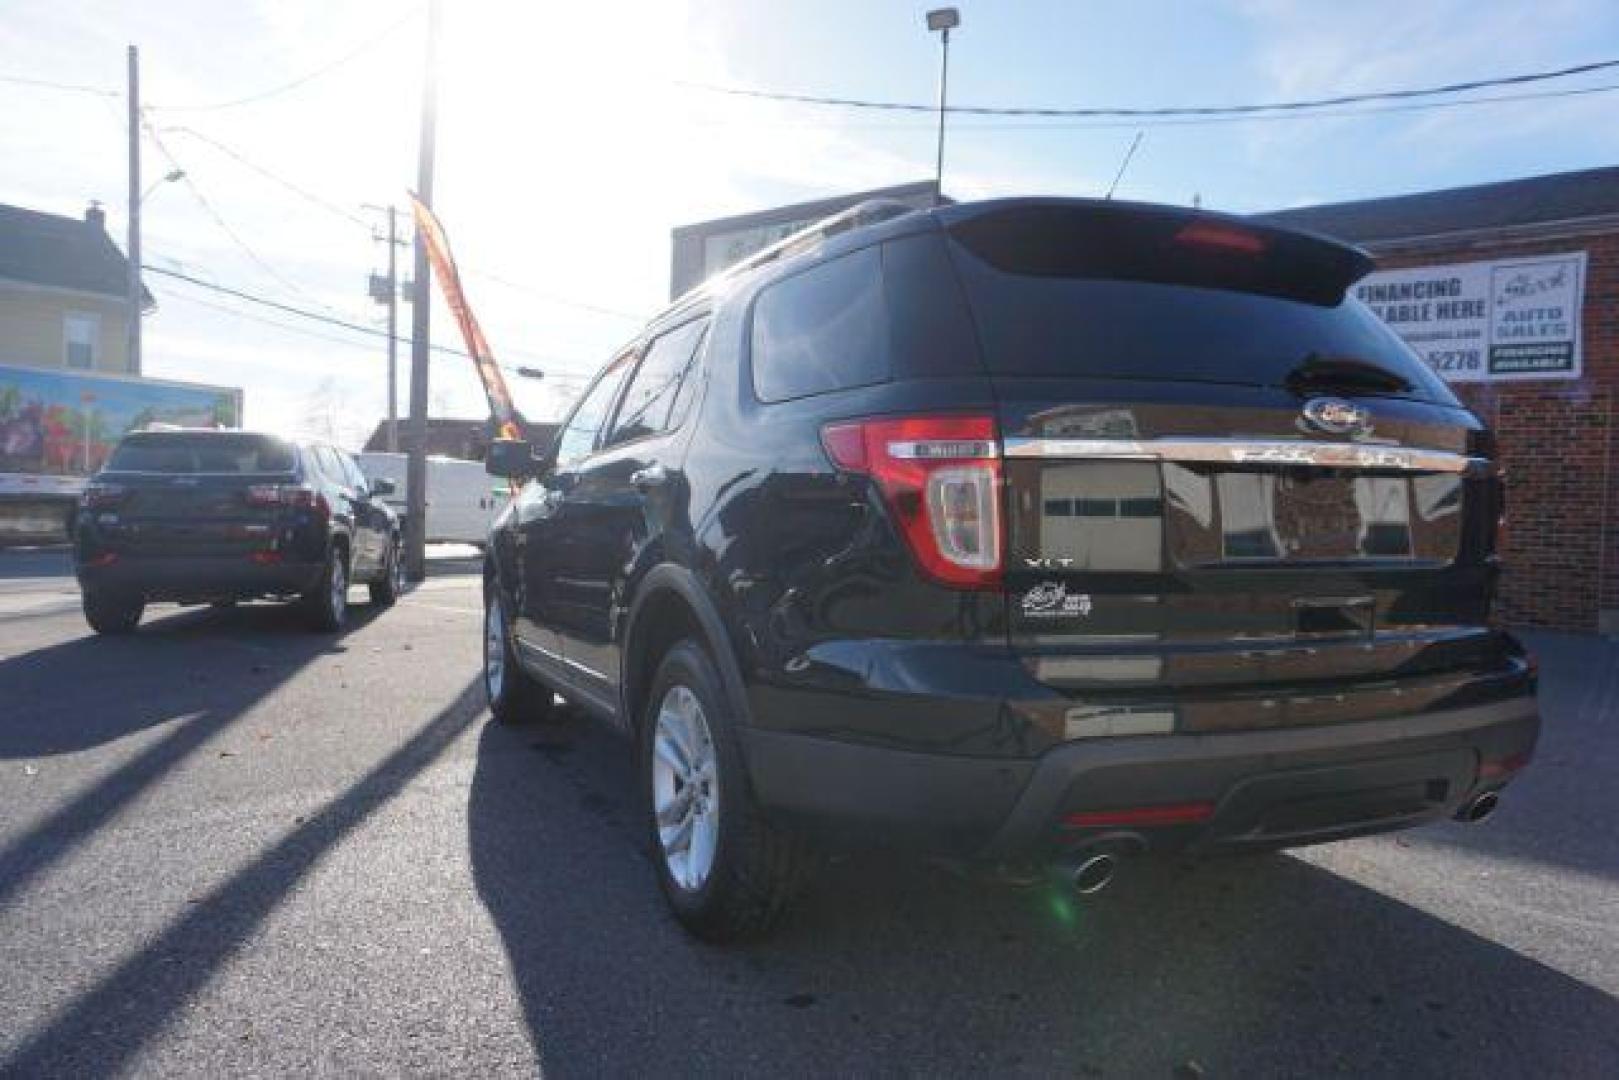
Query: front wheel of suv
[110, 612]
[386, 589]
[727, 873]
[514, 695]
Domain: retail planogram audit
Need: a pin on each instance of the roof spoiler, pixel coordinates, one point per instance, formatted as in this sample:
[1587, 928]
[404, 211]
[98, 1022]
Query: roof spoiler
[1075, 238]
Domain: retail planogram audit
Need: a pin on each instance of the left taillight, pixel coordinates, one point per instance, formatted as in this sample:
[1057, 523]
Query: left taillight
[99, 495]
[940, 477]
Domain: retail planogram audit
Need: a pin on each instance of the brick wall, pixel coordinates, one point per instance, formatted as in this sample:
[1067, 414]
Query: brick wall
[1559, 442]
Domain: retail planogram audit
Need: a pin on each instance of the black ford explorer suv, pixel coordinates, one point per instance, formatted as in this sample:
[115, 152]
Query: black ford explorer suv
[1027, 531]
[200, 516]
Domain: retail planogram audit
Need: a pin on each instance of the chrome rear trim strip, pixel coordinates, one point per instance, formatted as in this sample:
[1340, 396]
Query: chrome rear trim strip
[1330, 455]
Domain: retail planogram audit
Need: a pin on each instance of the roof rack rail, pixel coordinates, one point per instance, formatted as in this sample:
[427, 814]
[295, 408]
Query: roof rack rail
[859, 216]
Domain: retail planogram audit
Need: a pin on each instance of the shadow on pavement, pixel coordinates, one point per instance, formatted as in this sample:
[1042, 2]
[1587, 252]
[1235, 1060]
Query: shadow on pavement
[1560, 811]
[40, 562]
[231, 657]
[123, 685]
[106, 1026]
[1254, 966]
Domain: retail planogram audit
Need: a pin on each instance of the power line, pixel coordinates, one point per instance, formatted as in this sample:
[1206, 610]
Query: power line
[355, 219]
[301, 192]
[330, 320]
[47, 84]
[251, 317]
[274, 91]
[553, 298]
[1195, 121]
[1171, 111]
[1249, 118]
[224, 226]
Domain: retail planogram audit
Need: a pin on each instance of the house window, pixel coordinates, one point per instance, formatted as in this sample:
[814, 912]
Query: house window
[81, 335]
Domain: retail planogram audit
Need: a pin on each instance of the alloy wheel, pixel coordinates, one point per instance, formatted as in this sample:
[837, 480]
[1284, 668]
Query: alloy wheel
[685, 788]
[494, 649]
[340, 588]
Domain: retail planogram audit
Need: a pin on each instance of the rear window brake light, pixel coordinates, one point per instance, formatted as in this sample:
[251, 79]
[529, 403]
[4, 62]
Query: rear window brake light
[1219, 236]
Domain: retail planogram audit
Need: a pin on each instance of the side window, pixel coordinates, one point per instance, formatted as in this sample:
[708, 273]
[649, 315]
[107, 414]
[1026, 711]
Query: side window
[352, 472]
[649, 400]
[81, 332]
[578, 438]
[330, 470]
[822, 330]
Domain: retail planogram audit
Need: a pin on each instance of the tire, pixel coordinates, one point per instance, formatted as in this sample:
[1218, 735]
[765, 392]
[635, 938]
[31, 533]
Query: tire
[386, 589]
[515, 696]
[753, 869]
[112, 612]
[326, 603]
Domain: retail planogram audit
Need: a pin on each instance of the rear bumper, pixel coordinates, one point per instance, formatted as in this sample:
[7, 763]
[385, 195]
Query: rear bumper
[1270, 788]
[187, 578]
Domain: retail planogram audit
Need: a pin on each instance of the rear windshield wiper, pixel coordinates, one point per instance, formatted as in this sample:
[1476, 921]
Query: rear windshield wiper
[1316, 373]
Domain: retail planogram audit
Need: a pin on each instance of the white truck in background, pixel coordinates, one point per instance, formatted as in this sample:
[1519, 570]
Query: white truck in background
[57, 427]
[462, 499]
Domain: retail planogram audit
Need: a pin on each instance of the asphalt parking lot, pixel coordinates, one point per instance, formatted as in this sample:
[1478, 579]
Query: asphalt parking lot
[229, 847]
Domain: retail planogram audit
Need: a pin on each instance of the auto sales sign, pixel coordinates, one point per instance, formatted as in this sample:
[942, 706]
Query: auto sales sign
[1487, 321]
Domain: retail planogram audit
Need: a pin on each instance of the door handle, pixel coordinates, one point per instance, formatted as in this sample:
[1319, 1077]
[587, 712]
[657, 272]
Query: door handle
[650, 477]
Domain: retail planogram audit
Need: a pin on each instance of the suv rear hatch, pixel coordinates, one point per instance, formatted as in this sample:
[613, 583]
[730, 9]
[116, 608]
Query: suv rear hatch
[188, 493]
[1234, 499]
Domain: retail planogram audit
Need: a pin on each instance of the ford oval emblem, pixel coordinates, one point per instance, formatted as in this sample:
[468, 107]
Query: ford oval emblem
[1335, 416]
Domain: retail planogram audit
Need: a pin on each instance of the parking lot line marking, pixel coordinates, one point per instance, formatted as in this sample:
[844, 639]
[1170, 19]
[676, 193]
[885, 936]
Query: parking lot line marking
[445, 607]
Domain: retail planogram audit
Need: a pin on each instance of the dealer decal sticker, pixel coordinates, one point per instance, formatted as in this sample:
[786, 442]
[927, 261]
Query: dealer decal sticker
[1052, 600]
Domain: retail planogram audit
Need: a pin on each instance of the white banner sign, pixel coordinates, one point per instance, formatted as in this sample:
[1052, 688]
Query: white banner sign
[1486, 321]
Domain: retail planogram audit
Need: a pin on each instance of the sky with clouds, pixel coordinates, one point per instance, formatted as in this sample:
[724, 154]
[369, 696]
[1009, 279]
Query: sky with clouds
[571, 141]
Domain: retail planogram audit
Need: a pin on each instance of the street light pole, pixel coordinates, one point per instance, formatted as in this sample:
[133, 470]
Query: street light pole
[133, 284]
[421, 324]
[943, 20]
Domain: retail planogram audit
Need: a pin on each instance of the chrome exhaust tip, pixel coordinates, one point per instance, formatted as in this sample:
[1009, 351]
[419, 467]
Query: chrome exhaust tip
[1480, 808]
[1091, 875]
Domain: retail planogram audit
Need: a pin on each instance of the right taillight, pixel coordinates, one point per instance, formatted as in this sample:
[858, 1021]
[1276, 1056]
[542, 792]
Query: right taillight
[296, 496]
[940, 477]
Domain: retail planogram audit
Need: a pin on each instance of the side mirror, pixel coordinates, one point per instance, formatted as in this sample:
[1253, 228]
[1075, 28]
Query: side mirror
[513, 459]
[383, 486]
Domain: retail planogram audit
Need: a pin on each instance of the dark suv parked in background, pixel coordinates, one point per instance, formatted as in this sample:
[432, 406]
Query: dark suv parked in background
[1044, 531]
[199, 516]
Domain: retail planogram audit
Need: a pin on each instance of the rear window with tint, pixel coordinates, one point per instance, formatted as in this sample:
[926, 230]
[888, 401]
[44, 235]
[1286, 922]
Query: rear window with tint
[821, 330]
[1199, 316]
[201, 452]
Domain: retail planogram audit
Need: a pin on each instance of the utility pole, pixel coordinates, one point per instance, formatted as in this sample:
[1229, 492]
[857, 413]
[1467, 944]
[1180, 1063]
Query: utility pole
[421, 323]
[385, 290]
[393, 329]
[133, 340]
